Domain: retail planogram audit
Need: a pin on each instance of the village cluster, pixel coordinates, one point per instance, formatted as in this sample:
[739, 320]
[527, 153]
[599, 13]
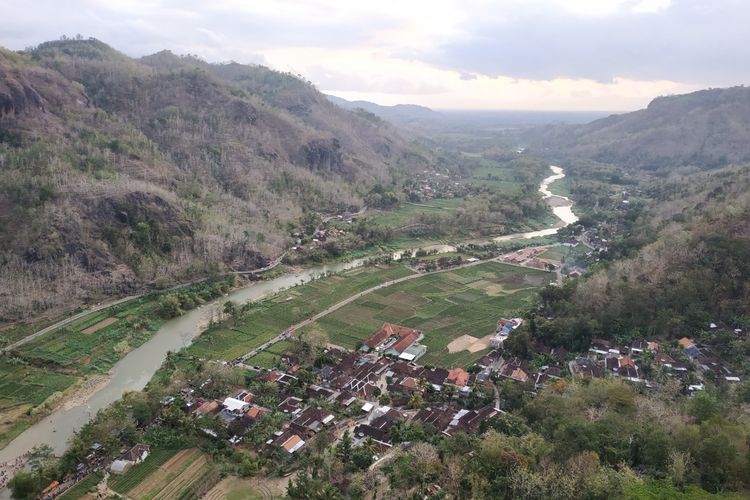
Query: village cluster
[691, 363]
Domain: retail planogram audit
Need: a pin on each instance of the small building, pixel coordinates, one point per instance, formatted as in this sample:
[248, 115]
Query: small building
[133, 456]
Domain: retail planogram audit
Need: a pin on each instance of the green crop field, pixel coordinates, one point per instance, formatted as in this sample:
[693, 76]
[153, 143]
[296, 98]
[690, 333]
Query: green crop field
[564, 252]
[268, 318]
[445, 306]
[23, 384]
[407, 212]
[90, 346]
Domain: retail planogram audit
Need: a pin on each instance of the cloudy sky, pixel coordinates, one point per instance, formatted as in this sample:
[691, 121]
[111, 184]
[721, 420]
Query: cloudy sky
[464, 54]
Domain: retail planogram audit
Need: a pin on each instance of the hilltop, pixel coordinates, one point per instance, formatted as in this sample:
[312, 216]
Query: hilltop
[704, 129]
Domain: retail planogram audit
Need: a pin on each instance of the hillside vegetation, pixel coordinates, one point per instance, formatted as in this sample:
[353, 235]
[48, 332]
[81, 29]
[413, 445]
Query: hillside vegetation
[704, 129]
[117, 173]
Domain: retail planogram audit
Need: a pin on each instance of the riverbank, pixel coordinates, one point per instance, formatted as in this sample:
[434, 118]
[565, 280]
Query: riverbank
[133, 371]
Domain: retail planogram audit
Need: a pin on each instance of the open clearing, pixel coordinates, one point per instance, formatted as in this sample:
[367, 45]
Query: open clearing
[463, 303]
[469, 343]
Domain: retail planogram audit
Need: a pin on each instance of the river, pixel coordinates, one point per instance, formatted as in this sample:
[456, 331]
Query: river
[133, 371]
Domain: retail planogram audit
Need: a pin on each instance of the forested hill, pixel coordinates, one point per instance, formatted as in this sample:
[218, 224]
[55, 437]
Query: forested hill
[405, 114]
[118, 172]
[704, 129]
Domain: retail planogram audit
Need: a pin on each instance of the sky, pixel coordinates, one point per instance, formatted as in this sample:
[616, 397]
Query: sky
[605, 55]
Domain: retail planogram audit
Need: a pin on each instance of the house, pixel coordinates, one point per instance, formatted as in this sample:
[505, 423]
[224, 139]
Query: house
[439, 418]
[686, 343]
[548, 374]
[133, 456]
[255, 412]
[311, 420]
[207, 408]
[235, 405]
[600, 346]
[504, 327]
[663, 359]
[290, 405]
[585, 368]
[516, 370]
[391, 339]
[378, 426]
[468, 421]
[286, 440]
[434, 376]
[458, 377]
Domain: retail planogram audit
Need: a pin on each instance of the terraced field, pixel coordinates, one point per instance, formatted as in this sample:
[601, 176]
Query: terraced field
[445, 306]
[167, 474]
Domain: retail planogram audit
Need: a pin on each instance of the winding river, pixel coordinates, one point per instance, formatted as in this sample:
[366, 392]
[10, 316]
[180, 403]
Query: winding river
[133, 371]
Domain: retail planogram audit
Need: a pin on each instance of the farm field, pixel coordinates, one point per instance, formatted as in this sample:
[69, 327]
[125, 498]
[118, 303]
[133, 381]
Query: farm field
[167, 474]
[404, 214]
[564, 252]
[84, 488]
[268, 318]
[93, 344]
[445, 306]
[23, 387]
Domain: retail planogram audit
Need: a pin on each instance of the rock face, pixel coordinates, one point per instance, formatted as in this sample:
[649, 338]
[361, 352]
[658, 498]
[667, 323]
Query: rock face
[322, 154]
[16, 94]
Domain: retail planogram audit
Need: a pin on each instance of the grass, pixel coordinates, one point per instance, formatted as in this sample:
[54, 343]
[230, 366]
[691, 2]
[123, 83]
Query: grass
[268, 318]
[52, 363]
[183, 474]
[447, 305]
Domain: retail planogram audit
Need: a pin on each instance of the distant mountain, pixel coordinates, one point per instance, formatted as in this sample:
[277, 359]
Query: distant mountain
[704, 129]
[116, 173]
[405, 114]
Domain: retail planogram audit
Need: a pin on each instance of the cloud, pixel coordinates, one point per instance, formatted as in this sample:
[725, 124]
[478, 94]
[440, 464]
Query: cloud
[518, 54]
[687, 40]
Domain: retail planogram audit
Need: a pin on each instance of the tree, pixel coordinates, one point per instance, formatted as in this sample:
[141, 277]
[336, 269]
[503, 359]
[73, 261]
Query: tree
[416, 402]
[344, 448]
[308, 488]
[703, 406]
[230, 307]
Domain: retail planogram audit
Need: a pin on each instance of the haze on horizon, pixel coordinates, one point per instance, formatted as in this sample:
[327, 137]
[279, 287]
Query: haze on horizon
[467, 54]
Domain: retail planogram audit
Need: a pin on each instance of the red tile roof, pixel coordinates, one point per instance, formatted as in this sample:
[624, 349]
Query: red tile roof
[405, 341]
[389, 330]
[458, 376]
